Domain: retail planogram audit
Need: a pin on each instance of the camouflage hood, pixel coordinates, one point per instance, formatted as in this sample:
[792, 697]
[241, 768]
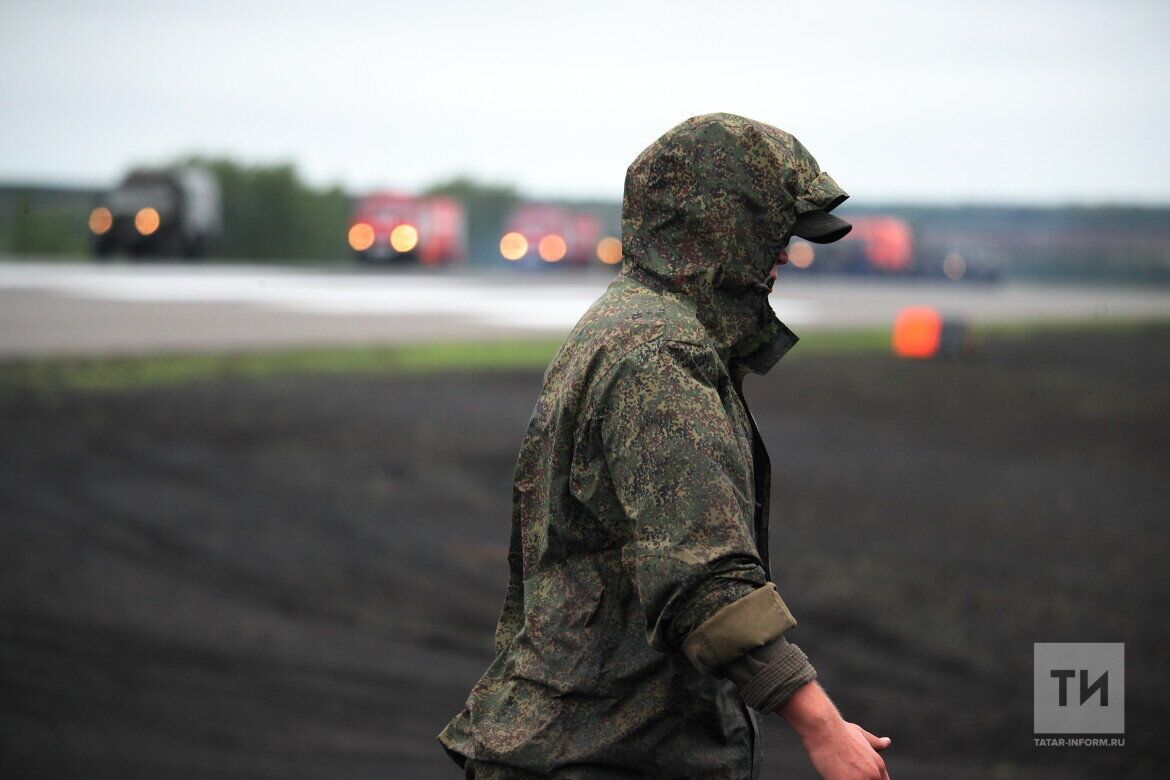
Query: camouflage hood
[707, 209]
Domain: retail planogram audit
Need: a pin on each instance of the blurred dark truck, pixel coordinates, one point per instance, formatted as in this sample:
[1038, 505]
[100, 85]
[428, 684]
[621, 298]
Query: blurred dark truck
[172, 212]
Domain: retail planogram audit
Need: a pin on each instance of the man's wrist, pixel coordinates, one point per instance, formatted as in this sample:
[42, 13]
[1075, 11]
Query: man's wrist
[810, 712]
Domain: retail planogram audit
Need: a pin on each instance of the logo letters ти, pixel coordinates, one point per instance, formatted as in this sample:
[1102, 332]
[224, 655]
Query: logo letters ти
[1102, 685]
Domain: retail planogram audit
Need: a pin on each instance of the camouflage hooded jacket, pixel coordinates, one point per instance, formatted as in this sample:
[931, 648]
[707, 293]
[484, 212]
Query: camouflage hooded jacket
[639, 566]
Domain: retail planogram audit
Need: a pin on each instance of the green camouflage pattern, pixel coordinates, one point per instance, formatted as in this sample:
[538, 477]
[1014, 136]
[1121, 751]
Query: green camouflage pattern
[640, 493]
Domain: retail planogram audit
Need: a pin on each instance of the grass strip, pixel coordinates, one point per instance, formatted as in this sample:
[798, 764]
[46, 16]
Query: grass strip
[126, 372]
[140, 371]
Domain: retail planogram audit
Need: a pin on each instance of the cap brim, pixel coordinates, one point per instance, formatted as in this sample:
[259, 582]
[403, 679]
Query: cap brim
[820, 227]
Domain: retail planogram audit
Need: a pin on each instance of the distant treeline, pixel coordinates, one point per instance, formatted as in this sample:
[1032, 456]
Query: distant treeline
[270, 213]
[37, 220]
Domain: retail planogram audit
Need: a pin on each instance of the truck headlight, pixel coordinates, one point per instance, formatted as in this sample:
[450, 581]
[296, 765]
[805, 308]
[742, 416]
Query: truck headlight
[513, 246]
[551, 248]
[147, 220]
[404, 238]
[100, 220]
[361, 237]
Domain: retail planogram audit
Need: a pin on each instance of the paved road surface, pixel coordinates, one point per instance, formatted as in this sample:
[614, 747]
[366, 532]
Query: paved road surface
[82, 308]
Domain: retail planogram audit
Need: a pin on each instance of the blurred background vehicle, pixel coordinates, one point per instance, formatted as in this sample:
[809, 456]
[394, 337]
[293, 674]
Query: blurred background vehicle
[172, 212]
[537, 234]
[883, 245]
[876, 244]
[390, 227]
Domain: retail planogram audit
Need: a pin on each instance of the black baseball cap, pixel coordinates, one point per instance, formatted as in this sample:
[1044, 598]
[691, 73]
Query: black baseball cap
[820, 227]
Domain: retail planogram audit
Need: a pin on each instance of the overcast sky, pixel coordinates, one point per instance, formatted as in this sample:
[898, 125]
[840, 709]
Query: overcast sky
[1018, 101]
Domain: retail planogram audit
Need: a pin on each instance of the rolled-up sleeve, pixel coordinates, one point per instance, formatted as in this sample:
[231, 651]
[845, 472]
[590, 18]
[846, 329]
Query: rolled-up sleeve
[748, 624]
[683, 477]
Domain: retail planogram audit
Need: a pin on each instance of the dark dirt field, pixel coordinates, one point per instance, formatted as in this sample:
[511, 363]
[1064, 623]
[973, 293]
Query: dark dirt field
[299, 576]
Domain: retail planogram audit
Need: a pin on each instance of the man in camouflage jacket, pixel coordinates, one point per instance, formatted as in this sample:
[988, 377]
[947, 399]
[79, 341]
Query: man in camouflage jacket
[640, 626]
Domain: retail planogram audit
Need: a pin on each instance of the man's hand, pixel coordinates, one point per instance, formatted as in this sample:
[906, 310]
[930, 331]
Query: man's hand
[838, 750]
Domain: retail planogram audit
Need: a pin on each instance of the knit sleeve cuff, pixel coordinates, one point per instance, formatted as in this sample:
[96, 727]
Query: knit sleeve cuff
[767, 677]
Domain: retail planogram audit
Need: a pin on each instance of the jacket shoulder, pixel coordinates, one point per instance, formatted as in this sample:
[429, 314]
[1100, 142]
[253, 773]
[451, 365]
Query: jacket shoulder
[630, 315]
[621, 327]
[625, 327]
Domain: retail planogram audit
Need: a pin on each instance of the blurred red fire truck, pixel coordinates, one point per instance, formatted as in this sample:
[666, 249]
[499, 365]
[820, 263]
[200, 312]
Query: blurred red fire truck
[546, 233]
[393, 227]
